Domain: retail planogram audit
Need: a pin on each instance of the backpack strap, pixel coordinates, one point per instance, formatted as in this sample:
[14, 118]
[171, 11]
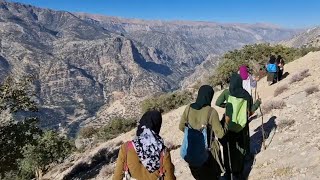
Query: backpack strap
[188, 115]
[211, 130]
[128, 146]
[161, 170]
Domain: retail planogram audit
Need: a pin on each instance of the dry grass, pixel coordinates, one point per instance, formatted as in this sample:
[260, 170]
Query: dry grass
[106, 170]
[282, 171]
[280, 90]
[284, 124]
[300, 76]
[273, 104]
[312, 89]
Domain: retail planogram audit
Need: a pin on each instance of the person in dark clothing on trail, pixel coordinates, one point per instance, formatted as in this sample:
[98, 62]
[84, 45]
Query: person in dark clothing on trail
[236, 145]
[280, 63]
[272, 69]
[197, 115]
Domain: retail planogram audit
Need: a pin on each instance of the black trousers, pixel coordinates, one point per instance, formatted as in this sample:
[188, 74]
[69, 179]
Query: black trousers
[210, 170]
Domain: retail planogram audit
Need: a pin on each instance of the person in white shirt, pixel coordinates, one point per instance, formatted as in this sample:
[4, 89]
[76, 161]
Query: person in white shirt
[248, 81]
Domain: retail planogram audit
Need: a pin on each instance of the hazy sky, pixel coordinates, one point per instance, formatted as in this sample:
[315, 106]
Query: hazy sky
[287, 13]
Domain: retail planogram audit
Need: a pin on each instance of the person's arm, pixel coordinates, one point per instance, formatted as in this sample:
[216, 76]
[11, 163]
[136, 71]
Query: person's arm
[183, 119]
[168, 167]
[118, 172]
[217, 128]
[221, 99]
[255, 106]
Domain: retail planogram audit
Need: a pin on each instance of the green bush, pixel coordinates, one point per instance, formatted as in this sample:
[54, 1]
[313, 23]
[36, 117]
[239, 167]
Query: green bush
[167, 102]
[50, 148]
[115, 127]
[87, 132]
[255, 56]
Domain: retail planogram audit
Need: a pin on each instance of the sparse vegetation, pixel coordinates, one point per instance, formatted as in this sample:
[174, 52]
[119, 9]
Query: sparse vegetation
[50, 148]
[300, 76]
[23, 155]
[167, 102]
[312, 89]
[280, 90]
[273, 104]
[115, 127]
[282, 171]
[107, 170]
[87, 132]
[284, 124]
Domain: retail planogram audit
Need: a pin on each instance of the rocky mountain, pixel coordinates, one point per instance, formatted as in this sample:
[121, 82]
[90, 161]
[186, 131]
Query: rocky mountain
[84, 63]
[308, 38]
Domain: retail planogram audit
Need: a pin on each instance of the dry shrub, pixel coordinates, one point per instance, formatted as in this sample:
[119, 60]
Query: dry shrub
[300, 76]
[273, 104]
[107, 170]
[284, 171]
[312, 89]
[284, 124]
[280, 90]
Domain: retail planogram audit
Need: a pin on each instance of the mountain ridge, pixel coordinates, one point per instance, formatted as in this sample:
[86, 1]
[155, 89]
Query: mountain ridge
[85, 65]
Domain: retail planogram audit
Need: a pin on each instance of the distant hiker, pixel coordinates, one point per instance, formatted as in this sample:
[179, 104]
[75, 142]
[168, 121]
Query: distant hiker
[272, 69]
[145, 157]
[239, 107]
[248, 82]
[200, 149]
[280, 63]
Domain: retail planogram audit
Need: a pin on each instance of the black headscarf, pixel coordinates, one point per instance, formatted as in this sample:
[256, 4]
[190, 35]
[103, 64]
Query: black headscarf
[151, 120]
[205, 95]
[236, 88]
[278, 59]
[272, 59]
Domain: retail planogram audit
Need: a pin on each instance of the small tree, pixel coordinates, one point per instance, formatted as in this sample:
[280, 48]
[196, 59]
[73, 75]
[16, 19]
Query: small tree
[51, 148]
[16, 95]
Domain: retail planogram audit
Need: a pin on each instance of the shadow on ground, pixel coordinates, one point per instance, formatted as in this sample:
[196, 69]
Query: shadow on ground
[256, 142]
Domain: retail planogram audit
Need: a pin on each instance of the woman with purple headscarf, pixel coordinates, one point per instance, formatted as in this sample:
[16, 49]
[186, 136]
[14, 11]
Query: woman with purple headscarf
[248, 82]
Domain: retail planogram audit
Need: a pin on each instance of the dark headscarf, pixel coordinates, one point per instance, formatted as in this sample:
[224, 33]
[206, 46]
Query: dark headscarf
[205, 95]
[272, 59]
[151, 120]
[236, 88]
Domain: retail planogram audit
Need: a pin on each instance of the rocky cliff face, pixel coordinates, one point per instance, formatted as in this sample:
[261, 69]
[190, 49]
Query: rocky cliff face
[308, 38]
[84, 63]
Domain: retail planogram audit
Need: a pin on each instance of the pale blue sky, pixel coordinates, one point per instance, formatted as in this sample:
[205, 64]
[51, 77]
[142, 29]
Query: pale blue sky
[287, 13]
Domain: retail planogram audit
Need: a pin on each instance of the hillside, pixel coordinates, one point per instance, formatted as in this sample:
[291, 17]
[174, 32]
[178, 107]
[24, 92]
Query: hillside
[293, 142]
[308, 38]
[83, 63]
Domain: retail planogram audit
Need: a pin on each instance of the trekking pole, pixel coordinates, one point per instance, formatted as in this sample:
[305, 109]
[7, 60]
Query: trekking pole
[229, 157]
[262, 129]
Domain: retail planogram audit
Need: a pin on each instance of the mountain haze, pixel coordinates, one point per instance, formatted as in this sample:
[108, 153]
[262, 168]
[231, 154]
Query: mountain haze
[84, 63]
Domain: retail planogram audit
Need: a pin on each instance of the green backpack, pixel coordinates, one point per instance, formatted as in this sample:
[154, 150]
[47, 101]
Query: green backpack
[239, 113]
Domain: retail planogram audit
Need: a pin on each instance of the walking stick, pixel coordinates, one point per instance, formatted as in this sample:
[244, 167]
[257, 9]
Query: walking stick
[230, 167]
[262, 129]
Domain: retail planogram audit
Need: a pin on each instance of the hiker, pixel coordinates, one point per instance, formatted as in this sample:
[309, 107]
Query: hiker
[280, 63]
[200, 124]
[272, 70]
[248, 82]
[145, 157]
[236, 144]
